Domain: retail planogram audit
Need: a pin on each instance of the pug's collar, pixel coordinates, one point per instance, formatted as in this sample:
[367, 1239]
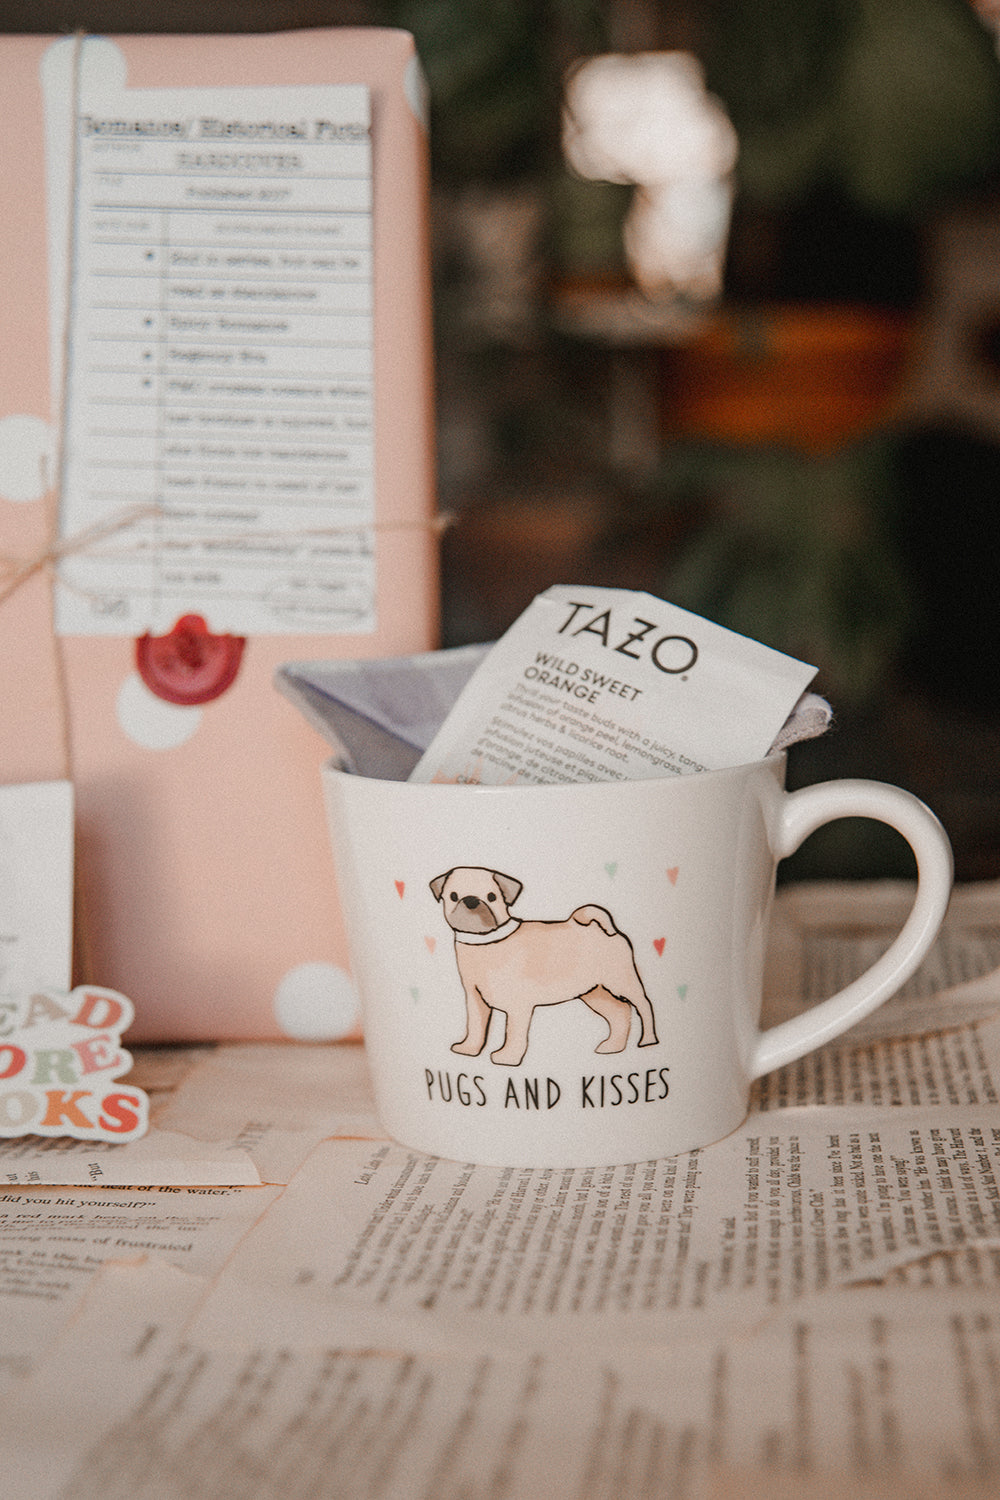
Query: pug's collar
[497, 935]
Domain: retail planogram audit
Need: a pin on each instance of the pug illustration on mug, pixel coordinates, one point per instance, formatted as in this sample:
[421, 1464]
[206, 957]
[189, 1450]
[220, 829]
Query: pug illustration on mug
[514, 965]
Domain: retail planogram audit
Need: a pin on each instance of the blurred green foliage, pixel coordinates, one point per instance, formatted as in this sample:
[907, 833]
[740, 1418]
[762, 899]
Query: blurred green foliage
[891, 102]
[495, 73]
[794, 549]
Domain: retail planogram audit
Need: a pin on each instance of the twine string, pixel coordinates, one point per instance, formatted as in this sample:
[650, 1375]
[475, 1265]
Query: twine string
[17, 571]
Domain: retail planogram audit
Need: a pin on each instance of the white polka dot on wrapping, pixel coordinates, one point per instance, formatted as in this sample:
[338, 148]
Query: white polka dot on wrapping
[316, 1002]
[150, 721]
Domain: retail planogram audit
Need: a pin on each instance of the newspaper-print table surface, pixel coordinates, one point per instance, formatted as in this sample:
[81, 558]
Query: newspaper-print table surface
[808, 1306]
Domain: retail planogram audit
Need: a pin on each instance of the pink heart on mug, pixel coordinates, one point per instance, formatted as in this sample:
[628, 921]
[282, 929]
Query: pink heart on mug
[400, 888]
[659, 944]
[431, 943]
[673, 874]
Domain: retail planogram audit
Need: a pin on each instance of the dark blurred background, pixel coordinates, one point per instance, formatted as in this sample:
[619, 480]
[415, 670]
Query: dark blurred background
[813, 458]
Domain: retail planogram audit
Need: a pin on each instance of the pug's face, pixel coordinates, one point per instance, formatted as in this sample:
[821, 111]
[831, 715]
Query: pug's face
[474, 899]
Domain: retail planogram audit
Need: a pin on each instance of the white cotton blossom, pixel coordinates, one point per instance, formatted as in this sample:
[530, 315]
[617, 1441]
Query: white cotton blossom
[648, 119]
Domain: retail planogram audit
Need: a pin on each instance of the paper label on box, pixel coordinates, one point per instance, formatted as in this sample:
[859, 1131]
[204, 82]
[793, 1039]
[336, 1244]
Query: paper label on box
[218, 404]
[596, 684]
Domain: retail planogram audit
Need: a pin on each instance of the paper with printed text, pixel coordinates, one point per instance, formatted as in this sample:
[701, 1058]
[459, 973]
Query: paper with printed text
[807, 1308]
[593, 684]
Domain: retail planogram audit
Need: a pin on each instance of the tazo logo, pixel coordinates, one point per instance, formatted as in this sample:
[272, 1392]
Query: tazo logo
[669, 653]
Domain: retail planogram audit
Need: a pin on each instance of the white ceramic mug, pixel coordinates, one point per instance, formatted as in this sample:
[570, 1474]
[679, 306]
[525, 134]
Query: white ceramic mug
[571, 975]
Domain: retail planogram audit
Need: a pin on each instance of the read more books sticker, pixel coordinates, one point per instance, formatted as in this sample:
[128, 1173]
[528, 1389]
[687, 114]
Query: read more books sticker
[60, 1057]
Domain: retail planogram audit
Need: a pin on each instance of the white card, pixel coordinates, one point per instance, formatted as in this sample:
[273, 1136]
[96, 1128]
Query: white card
[598, 684]
[36, 888]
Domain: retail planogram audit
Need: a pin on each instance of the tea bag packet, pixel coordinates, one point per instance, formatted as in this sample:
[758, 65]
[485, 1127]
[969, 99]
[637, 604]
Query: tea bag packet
[601, 684]
[380, 714]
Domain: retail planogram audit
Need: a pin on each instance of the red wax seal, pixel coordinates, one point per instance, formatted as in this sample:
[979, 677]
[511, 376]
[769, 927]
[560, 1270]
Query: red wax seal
[188, 665]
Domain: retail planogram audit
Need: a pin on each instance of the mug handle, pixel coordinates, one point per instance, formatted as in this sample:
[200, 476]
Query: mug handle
[802, 813]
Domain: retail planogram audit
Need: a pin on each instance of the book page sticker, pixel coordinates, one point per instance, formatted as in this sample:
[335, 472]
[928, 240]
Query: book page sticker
[60, 1059]
[212, 278]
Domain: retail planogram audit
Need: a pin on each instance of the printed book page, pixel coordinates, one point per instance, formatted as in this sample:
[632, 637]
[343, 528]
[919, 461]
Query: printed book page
[881, 1394]
[54, 1242]
[275, 1101]
[162, 1157]
[955, 1066]
[790, 1205]
[823, 936]
[807, 1307]
[159, 1158]
[240, 1115]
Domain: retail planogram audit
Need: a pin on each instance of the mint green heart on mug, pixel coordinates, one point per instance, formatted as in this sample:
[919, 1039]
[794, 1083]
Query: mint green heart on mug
[571, 975]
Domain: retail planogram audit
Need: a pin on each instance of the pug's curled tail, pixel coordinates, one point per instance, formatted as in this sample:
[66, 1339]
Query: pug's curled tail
[587, 914]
